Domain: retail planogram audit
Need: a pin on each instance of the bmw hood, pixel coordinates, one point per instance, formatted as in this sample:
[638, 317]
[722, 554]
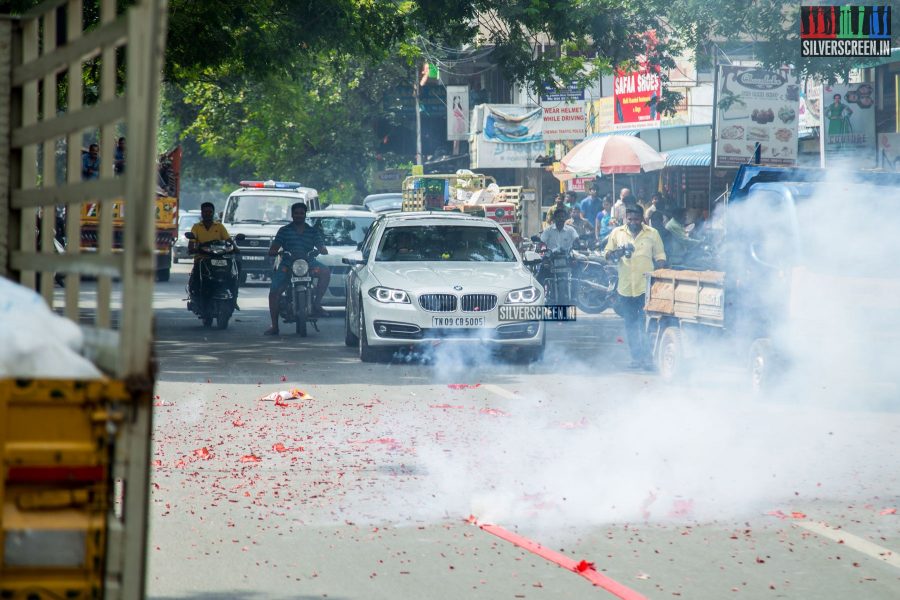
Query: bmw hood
[436, 277]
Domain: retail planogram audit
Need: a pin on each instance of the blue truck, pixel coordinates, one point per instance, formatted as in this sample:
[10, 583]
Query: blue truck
[795, 275]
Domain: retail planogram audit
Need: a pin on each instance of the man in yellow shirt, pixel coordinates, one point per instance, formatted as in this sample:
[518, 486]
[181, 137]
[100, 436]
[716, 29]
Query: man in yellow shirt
[639, 250]
[207, 230]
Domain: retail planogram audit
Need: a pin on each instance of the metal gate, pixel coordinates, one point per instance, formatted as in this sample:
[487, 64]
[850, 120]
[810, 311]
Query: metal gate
[46, 114]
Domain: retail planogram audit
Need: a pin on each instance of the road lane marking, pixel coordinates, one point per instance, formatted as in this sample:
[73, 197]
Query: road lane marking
[583, 568]
[851, 541]
[496, 389]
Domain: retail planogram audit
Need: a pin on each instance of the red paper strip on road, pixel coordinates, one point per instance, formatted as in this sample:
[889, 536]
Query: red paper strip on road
[584, 568]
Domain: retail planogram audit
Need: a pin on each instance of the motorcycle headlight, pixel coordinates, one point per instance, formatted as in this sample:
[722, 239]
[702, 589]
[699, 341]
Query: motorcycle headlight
[300, 268]
[389, 295]
[522, 296]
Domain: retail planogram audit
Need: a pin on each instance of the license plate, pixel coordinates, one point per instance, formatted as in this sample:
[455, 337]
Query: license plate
[445, 322]
[254, 257]
[219, 263]
[300, 279]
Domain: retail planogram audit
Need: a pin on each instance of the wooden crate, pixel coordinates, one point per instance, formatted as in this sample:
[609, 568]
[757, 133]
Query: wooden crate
[691, 295]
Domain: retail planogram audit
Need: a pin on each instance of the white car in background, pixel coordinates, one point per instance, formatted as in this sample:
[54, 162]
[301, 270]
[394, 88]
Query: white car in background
[422, 277]
[343, 230]
[186, 220]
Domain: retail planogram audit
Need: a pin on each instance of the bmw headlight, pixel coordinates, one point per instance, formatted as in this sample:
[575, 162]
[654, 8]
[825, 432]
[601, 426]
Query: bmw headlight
[389, 295]
[523, 295]
[300, 268]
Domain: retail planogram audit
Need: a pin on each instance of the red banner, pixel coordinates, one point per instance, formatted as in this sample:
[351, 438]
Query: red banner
[636, 95]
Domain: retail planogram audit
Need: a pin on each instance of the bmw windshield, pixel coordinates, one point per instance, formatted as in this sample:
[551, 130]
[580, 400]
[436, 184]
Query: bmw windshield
[444, 243]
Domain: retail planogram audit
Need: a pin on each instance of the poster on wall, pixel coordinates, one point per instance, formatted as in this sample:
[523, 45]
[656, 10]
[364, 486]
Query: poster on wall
[756, 110]
[635, 96]
[848, 126]
[600, 115]
[889, 152]
[513, 125]
[457, 112]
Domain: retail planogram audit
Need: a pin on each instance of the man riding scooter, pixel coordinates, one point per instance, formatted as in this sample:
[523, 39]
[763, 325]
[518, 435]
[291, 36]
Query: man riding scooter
[299, 239]
[208, 231]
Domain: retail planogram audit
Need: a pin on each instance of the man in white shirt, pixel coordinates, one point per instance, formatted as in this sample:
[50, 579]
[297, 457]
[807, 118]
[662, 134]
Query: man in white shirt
[621, 204]
[559, 236]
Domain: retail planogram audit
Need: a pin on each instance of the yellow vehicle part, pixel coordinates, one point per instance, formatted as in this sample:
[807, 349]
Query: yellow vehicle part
[55, 493]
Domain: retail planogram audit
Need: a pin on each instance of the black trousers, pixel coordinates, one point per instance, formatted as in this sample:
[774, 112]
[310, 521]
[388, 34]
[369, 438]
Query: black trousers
[194, 281]
[631, 309]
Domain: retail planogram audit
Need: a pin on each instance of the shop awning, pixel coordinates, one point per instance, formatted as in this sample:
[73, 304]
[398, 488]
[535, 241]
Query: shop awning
[690, 156]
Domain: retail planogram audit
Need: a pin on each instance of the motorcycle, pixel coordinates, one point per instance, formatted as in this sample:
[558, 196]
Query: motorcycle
[213, 298]
[594, 281]
[296, 303]
[580, 276]
[554, 273]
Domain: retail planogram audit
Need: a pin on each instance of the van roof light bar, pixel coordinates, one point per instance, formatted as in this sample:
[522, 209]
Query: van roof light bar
[276, 185]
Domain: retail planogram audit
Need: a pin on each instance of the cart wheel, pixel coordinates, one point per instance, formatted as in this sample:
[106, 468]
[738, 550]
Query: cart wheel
[670, 358]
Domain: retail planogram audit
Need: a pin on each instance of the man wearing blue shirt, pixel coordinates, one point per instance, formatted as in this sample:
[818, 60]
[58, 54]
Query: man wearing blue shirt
[90, 163]
[590, 206]
[299, 239]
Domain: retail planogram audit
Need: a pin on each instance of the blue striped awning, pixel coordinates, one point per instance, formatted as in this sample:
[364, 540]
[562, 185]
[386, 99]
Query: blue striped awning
[689, 156]
[631, 132]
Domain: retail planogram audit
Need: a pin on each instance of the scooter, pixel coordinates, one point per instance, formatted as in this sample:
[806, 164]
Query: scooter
[218, 274]
[296, 303]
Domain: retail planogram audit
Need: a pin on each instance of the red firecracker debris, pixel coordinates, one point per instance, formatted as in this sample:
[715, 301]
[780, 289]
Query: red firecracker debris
[283, 378]
[463, 386]
[237, 423]
[279, 447]
[798, 515]
[888, 511]
[584, 566]
[445, 406]
[496, 412]
[203, 453]
[250, 458]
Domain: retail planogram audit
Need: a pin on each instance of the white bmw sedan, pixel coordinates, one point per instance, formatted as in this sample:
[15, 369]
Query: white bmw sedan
[422, 277]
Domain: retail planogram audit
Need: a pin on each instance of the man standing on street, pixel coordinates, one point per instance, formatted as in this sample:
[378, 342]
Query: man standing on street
[591, 206]
[639, 250]
[625, 200]
[299, 239]
[90, 163]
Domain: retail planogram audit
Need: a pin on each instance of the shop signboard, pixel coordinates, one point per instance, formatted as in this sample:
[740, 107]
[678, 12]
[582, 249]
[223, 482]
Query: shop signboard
[848, 126]
[635, 96]
[492, 155]
[513, 125]
[756, 110]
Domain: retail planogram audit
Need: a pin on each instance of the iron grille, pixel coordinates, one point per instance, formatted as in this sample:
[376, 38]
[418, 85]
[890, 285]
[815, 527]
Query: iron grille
[478, 302]
[438, 302]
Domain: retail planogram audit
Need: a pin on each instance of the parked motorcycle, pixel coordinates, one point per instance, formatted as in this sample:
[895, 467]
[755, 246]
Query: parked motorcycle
[594, 281]
[580, 276]
[213, 298]
[296, 303]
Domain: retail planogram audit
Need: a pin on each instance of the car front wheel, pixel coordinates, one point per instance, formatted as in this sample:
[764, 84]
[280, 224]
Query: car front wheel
[367, 354]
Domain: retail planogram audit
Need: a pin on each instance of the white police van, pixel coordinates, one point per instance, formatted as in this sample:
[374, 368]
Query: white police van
[258, 209]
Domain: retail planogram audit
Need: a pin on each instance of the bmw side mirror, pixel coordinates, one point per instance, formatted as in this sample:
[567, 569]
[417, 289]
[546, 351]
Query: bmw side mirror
[354, 259]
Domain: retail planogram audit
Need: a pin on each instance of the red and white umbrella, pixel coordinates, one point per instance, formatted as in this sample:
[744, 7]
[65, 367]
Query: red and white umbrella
[611, 155]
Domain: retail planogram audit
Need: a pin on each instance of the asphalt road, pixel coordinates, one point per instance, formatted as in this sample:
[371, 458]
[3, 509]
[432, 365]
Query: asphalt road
[373, 483]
